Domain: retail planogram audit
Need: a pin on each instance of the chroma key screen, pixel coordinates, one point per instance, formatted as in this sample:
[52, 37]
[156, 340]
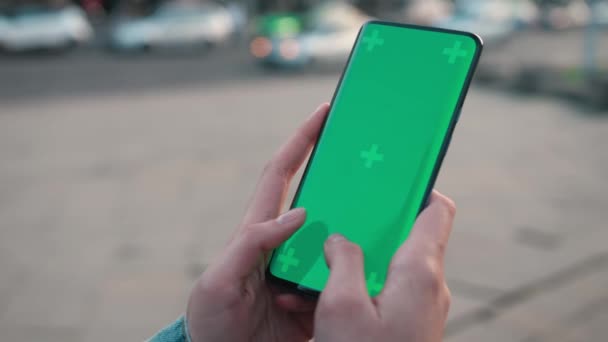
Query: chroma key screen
[368, 176]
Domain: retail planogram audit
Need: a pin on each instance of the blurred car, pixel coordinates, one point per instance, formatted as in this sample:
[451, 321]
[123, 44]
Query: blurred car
[600, 13]
[561, 16]
[279, 25]
[329, 33]
[493, 20]
[172, 26]
[42, 28]
[425, 12]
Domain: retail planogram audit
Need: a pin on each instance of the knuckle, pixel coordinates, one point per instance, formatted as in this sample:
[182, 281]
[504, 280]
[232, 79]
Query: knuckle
[447, 298]
[210, 287]
[424, 272]
[269, 165]
[305, 135]
[250, 236]
[351, 249]
[248, 233]
[441, 247]
[339, 304]
[428, 275]
[207, 290]
[448, 206]
[275, 168]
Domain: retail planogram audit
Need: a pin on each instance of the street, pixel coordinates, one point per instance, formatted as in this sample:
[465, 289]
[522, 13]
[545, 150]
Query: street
[116, 192]
[91, 71]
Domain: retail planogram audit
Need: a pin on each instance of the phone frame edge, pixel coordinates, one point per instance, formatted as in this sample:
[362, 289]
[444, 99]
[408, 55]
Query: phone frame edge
[314, 294]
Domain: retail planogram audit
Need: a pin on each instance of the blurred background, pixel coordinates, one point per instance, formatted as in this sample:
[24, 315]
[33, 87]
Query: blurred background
[132, 133]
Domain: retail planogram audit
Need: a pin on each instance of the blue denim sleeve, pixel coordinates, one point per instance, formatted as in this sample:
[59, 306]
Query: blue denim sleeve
[175, 332]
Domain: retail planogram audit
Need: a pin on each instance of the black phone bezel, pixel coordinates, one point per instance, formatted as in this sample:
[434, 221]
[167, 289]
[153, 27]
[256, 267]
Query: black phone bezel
[314, 294]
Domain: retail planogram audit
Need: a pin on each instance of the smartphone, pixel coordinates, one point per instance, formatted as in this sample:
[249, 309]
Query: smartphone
[375, 162]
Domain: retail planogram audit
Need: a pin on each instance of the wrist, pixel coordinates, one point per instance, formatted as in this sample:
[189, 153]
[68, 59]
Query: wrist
[175, 332]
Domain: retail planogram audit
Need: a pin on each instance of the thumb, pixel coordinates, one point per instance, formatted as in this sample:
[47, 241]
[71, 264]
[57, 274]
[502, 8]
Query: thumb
[253, 242]
[346, 287]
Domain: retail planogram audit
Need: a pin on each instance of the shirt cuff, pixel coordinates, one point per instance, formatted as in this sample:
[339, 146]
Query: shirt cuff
[175, 332]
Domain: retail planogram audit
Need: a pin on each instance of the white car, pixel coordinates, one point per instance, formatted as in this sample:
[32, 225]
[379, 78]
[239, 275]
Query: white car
[177, 26]
[573, 14]
[493, 20]
[600, 13]
[44, 29]
[425, 12]
[335, 28]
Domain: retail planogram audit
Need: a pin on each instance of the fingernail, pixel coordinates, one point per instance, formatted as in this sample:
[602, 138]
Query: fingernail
[321, 106]
[316, 111]
[336, 238]
[290, 216]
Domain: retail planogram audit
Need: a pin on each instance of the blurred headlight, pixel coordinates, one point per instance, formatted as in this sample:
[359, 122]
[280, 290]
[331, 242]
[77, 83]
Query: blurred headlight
[289, 49]
[260, 47]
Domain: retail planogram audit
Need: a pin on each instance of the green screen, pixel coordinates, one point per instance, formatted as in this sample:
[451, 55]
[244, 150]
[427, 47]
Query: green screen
[375, 158]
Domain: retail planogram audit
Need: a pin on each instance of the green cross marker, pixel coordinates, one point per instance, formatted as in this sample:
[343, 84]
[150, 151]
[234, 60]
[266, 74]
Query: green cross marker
[372, 283]
[288, 260]
[373, 40]
[455, 52]
[371, 156]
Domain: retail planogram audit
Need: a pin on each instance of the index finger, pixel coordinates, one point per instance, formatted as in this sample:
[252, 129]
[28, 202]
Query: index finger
[274, 183]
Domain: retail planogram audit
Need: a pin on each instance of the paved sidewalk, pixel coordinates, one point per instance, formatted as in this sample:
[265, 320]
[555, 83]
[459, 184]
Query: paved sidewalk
[110, 206]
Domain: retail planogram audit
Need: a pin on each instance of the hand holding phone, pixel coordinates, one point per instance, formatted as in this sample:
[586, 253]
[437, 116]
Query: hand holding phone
[227, 299]
[415, 301]
[226, 302]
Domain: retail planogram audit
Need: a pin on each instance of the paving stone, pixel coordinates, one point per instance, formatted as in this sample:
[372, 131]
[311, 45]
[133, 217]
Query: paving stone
[33, 332]
[566, 308]
[570, 310]
[495, 331]
[129, 196]
[133, 304]
[462, 305]
[56, 296]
